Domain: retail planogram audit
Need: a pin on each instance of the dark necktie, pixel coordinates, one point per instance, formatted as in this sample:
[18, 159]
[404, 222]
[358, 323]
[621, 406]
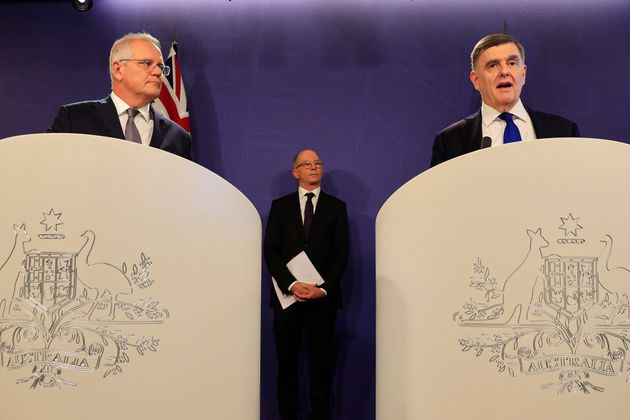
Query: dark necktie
[308, 213]
[511, 133]
[131, 131]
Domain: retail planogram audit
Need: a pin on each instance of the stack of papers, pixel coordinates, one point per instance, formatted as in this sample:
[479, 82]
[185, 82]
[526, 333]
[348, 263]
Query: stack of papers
[303, 270]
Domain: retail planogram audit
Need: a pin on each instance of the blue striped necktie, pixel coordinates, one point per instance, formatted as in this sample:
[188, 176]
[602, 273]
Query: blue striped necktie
[511, 133]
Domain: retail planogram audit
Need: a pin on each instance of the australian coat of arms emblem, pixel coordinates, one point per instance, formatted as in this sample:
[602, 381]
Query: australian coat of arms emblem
[565, 318]
[66, 310]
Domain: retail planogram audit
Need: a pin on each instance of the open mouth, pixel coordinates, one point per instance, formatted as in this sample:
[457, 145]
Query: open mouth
[504, 85]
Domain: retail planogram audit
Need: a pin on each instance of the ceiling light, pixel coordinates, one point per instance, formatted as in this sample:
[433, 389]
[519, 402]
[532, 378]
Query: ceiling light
[82, 5]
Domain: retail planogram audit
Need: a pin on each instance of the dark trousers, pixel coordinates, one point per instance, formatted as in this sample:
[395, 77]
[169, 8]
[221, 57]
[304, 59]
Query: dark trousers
[317, 324]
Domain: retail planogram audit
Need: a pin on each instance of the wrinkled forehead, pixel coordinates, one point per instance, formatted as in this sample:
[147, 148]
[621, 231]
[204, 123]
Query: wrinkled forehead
[145, 49]
[500, 52]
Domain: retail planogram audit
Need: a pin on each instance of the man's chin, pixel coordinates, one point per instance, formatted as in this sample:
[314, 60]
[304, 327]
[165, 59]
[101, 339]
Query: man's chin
[153, 87]
[152, 95]
[507, 100]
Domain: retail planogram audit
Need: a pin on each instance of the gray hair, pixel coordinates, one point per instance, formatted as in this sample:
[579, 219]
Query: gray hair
[493, 40]
[122, 47]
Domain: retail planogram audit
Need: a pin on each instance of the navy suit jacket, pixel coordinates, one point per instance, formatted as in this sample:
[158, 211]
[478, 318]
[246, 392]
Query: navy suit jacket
[99, 118]
[465, 135]
[326, 245]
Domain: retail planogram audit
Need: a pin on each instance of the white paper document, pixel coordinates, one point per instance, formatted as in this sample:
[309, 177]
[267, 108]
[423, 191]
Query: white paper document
[302, 269]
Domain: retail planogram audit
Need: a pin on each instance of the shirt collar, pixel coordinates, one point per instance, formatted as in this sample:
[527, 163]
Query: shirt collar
[302, 192]
[121, 107]
[489, 114]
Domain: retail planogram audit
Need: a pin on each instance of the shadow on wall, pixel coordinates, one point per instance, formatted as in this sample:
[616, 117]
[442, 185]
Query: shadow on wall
[355, 346]
[204, 123]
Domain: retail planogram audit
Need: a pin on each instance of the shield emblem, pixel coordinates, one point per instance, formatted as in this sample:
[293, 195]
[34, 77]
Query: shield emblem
[51, 279]
[571, 284]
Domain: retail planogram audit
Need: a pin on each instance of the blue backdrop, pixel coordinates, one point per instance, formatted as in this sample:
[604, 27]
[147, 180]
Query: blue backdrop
[366, 83]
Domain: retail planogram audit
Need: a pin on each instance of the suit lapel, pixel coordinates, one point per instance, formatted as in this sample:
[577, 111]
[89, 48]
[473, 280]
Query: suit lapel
[296, 213]
[158, 126]
[472, 138]
[538, 129]
[107, 113]
[322, 205]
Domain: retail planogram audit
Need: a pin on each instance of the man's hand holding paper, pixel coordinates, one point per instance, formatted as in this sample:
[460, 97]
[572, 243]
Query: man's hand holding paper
[306, 287]
[305, 291]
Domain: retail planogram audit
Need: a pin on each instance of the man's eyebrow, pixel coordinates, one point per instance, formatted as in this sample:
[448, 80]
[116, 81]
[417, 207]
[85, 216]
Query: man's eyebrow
[489, 63]
[513, 57]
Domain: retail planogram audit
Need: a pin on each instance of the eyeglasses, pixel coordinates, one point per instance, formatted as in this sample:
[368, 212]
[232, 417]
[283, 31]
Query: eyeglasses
[148, 64]
[310, 165]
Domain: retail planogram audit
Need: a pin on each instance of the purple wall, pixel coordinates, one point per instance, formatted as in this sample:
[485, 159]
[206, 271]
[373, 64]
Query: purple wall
[367, 84]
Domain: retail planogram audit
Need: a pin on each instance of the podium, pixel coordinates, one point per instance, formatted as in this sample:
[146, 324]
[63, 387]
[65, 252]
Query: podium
[129, 284]
[503, 286]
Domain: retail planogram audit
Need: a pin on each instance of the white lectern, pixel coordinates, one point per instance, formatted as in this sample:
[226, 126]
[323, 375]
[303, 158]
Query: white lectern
[129, 284]
[503, 286]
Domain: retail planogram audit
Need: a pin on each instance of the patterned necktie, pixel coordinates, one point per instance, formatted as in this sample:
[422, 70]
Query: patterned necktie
[511, 133]
[131, 131]
[308, 213]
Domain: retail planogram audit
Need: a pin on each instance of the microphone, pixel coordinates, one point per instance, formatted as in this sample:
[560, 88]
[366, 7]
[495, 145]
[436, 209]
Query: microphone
[486, 142]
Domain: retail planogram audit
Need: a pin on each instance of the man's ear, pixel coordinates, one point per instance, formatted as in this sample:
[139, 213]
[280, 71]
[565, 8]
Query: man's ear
[474, 79]
[117, 70]
[294, 172]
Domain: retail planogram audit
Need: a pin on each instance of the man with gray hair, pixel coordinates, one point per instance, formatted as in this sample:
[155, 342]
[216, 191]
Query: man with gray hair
[498, 72]
[135, 67]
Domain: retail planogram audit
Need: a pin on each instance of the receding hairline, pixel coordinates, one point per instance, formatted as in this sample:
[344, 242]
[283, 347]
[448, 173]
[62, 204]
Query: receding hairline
[297, 155]
[494, 40]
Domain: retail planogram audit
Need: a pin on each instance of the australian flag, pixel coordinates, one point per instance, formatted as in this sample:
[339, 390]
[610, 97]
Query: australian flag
[172, 99]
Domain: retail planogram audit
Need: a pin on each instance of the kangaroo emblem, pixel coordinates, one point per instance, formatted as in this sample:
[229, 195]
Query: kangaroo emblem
[12, 268]
[519, 289]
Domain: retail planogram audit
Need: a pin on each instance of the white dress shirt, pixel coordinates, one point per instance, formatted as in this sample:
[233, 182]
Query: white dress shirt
[143, 120]
[492, 126]
[303, 199]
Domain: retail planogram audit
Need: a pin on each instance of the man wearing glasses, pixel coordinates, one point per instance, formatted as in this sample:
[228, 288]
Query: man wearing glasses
[310, 221]
[135, 66]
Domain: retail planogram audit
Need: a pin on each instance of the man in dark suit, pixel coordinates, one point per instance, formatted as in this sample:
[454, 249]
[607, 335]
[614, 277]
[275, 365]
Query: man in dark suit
[136, 66]
[498, 73]
[312, 221]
